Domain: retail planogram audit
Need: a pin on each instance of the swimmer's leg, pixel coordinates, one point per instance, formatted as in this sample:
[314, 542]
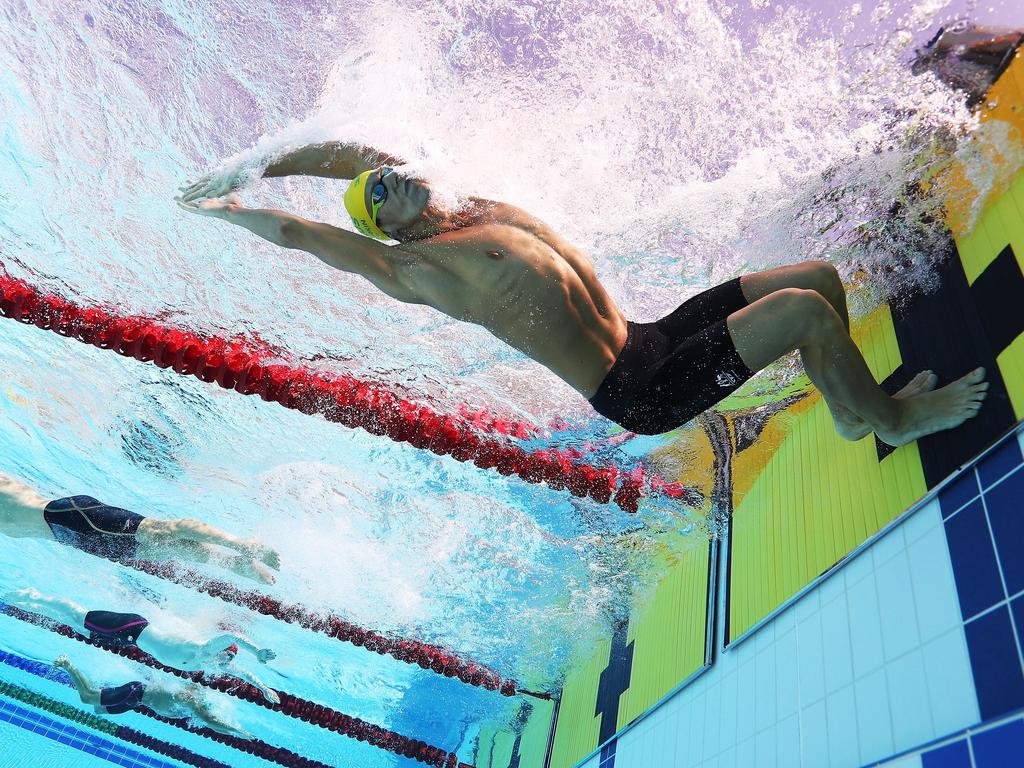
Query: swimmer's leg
[817, 276]
[57, 608]
[200, 552]
[163, 532]
[822, 277]
[793, 318]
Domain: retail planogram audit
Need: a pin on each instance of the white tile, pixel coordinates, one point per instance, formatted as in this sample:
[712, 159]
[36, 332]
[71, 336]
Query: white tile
[841, 712]
[908, 693]
[859, 567]
[874, 722]
[787, 699]
[950, 682]
[788, 742]
[831, 587]
[713, 720]
[728, 734]
[807, 606]
[784, 622]
[835, 633]
[765, 749]
[864, 627]
[814, 735]
[896, 608]
[888, 546]
[745, 702]
[935, 596]
[746, 752]
[695, 744]
[811, 669]
[924, 520]
[765, 695]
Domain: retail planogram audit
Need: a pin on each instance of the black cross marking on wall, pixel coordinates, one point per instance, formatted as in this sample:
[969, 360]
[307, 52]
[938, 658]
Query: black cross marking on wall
[614, 682]
[951, 331]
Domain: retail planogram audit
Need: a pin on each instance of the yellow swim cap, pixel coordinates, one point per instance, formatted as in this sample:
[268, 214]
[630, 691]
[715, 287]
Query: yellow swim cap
[355, 204]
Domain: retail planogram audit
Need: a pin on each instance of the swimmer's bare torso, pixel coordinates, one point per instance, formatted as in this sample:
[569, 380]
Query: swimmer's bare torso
[491, 264]
[510, 273]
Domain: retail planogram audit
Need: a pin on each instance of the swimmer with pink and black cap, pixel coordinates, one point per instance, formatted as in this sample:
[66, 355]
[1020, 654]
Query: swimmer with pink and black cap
[115, 629]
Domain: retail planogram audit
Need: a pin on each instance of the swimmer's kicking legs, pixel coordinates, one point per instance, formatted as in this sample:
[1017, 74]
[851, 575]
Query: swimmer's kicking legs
[797, 318]
[822, 277]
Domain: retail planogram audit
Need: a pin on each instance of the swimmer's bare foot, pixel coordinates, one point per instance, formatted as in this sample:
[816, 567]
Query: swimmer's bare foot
[936, 411]
[852, 427]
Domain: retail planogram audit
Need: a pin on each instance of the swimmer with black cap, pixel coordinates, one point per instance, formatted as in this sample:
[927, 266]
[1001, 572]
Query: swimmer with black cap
[84, 523]
[174, 701]
[497, 266]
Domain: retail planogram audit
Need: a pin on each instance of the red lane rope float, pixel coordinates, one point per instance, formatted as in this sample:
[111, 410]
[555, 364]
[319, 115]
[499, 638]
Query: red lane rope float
[343, 399]
[293, 706]
[427, 656]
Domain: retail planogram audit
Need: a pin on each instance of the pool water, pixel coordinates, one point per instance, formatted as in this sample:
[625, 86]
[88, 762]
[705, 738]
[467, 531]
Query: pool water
[677, 145]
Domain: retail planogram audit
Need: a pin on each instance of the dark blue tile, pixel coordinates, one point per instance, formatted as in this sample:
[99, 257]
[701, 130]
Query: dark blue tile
[959, 492]
[995, 664]
[1003, 459]
[999, 747]
[974, 560]
[1005, 504]
[955, 755]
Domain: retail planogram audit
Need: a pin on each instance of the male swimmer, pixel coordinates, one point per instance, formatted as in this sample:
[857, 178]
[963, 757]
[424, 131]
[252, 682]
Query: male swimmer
[497, 266]
[173, 701]
[120, 629]
[119, 534]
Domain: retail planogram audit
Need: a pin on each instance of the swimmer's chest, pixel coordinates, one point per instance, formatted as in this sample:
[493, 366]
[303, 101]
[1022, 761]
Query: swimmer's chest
[495, 260]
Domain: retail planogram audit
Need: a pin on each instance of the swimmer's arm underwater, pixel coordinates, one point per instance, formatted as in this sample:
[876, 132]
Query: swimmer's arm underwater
[379, 263]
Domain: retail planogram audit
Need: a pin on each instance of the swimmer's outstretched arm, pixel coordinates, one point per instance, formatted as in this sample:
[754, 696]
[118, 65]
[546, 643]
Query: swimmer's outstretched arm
[202, 712]
[330, 159]
[222, 642]
[385, 266]
[87, 692]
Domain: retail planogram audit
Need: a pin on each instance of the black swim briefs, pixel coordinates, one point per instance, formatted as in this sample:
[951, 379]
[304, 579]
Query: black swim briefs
[123, 697]
[86, 524]
[674, 369]
[115, 628]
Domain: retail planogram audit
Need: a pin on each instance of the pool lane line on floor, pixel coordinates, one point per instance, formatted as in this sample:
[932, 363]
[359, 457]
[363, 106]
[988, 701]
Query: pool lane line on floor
[293, 706]
[242, 367]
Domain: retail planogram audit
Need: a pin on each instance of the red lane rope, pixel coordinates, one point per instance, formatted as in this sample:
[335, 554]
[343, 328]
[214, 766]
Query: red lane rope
[293, 706]
[354, 402]
[427, 656]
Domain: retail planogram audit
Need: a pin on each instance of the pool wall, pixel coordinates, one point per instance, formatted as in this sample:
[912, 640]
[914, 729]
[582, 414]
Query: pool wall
[867, 600]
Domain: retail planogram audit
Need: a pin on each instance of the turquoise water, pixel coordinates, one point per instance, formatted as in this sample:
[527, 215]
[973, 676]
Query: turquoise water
[644, 135]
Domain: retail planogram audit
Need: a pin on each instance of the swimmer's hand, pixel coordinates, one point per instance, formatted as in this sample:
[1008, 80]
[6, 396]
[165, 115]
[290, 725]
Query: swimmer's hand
[62, 662]
[218, 207]
[263, 655]
[213, 184]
